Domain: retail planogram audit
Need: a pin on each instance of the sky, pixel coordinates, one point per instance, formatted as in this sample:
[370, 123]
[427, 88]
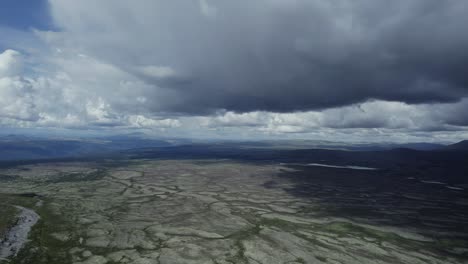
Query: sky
[340, 70]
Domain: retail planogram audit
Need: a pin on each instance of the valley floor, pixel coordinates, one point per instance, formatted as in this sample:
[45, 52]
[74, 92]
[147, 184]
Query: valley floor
[201, 211]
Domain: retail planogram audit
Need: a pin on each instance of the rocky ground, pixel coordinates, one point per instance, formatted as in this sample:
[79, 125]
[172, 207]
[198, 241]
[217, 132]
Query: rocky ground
[16, 236]
[193, 211]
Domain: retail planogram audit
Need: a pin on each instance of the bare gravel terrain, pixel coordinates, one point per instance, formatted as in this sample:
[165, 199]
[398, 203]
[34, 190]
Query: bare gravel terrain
[15, 238]
[206, 211]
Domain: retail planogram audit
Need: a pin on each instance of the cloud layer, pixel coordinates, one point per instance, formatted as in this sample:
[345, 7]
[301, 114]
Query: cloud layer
[278, 56]
[81, 93]
[265, 66]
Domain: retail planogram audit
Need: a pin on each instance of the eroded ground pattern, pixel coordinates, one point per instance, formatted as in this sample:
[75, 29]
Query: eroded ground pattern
[171, 211]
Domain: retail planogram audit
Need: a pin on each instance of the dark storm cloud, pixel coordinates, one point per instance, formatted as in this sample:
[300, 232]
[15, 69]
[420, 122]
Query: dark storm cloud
[279, 56]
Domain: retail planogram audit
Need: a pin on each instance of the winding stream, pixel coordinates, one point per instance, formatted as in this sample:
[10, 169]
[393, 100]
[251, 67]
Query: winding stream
[17, 236]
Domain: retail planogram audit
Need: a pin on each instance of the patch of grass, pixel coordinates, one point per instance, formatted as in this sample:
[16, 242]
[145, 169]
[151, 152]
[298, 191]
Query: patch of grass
[78, 177]
[301, 260]
[346, 229]
[43, 248]
[281, 224]
[451, 243]
[8, 211]
[7, 218]
[442, 246]
[240, 236]
[321, 258]
[6, 178]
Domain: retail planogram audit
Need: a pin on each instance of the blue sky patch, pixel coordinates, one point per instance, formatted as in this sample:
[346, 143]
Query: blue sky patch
[25, 14]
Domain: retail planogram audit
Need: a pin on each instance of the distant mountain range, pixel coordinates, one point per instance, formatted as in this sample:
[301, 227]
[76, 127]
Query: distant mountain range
[441, 165]
[19, 147]
[462, 145]
[421, 161]
[14, 147]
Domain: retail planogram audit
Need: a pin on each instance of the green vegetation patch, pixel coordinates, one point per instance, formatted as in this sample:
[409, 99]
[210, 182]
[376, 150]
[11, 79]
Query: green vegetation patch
[6, 178]
[43, 247]
[8, 215]
[80, 176]
[321, 258]
[442, 246]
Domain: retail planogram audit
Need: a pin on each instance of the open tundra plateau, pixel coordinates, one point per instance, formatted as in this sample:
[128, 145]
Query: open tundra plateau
[225, 211]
